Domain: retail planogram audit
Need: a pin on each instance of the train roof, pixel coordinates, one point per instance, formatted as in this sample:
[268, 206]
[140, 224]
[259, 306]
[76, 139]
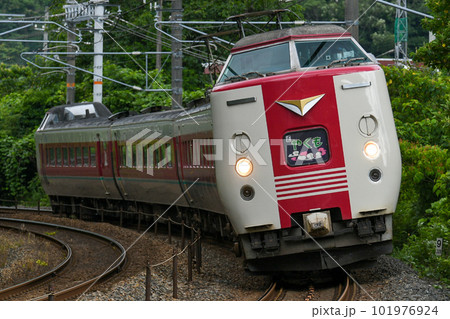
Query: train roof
[308, 31]
[88, 115]
[70, 112]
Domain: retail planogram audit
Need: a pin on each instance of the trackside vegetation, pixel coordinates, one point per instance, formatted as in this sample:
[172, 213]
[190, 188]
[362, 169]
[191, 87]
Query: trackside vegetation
[420, 101]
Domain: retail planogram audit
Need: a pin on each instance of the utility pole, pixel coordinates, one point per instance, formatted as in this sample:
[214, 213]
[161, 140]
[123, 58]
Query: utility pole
[351, 17]
[98, 49]
[92, 10]
[70, 93]
[47, 17]
[177, 55]
[159, 14]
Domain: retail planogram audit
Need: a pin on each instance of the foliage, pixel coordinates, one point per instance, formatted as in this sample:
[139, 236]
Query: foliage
[376, 23]
[420, 247]
[27, 7]
[25, 95]
[436, 54]
[422, 167]
[119, 98]
[18, 173]
[420, 102]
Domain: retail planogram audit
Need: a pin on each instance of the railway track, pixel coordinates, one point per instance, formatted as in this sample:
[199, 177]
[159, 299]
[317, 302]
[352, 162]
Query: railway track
[347, 291]
[90, 258]
[273, 293]
[344, 291]
[23, 209]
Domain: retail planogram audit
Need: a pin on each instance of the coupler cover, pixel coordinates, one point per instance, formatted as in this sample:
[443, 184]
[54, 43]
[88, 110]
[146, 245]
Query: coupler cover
[317, 224]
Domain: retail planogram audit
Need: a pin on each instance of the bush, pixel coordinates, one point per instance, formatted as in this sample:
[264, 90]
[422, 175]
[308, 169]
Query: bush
[18, 176]
[422, 167]
[420, 103]
[419, 249]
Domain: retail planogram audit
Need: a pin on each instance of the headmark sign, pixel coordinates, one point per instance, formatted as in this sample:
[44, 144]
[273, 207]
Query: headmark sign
[306, 147]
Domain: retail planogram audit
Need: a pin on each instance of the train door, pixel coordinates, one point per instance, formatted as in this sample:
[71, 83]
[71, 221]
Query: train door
[105, 165]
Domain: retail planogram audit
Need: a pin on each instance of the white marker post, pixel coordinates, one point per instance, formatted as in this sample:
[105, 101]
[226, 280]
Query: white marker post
[439, 244]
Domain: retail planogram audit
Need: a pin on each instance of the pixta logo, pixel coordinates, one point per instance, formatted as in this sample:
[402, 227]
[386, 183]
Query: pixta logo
[150, 142]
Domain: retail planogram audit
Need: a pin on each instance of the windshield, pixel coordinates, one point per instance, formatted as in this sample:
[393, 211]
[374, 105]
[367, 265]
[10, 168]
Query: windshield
[329, 52]
[257, 63]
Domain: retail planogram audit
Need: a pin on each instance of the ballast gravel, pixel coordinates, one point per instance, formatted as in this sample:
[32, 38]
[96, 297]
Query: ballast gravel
[223, 276]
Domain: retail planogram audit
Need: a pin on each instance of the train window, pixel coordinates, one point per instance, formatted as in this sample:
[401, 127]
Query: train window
[71, 157]
[212, 151]
[145, 156]
[93, 159]
[155, 159]
[190, 146]
[306, 147]
[329, 52]
[58, 157]
[49, 120]
[169, 154]
[105, 154]
[47, 157]
[51, 159]
[258, 62]
[85, 156]
[78, 156]
[44, 121]
[65, 156]
[134, 156]
[161, 155]
[124, 156]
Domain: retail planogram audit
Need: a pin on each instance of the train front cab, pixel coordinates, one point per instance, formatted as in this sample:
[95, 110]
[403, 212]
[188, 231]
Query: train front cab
[326, 165]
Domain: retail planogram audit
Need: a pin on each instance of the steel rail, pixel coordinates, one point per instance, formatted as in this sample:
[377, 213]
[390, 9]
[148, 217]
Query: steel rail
[272, 293]
[349, 292]
[10, 291]
[80, 288]
[25, 209]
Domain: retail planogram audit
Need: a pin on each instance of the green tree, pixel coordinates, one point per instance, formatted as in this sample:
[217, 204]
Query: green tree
[420, 102]
[436, 54]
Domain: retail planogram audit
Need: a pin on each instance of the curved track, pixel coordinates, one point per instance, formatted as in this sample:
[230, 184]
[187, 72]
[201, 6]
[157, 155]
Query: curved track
[347, 291]
[13, 290]
[92, 258]
[273, 293]
[344, 291]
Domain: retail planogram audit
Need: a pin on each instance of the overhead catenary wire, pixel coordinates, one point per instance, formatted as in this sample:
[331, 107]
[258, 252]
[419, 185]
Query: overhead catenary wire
[187, 49]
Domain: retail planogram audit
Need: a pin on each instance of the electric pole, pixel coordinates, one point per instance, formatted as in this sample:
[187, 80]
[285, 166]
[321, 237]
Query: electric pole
[159, 14]
[177, 55]
[46, 17]
[70, 93]
[98, 49]
[92, 10]
[351, 17]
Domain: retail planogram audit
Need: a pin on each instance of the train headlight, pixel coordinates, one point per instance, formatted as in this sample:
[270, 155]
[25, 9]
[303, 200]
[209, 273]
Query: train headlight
[244, 167]
[371, 150]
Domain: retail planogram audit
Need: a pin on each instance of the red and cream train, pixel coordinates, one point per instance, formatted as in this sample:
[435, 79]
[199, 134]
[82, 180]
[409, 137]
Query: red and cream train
[294, 154]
